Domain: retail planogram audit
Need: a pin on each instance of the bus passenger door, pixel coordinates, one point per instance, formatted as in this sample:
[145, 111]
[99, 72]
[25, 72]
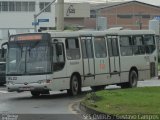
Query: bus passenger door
[101, 61]
[88, 60]
[151, 56]
[114, 59]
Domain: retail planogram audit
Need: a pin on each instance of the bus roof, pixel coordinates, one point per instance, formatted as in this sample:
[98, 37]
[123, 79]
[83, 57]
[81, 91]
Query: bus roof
[135, 32]
[88, 33]
[99, 33]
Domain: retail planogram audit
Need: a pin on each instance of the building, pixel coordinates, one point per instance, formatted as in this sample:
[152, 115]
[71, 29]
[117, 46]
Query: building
[75, 14]
[132, 14]
[17, 16]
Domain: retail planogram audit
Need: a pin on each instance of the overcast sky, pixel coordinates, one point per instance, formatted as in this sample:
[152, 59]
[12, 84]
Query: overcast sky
[153, 2]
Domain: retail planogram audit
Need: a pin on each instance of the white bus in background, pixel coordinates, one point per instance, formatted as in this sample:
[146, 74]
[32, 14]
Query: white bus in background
[43, 62]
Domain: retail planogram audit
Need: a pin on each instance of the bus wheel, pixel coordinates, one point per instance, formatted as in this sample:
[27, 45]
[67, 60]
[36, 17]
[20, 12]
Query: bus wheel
[35, 93]
[74, 86]
[133, 79]
[97, 88]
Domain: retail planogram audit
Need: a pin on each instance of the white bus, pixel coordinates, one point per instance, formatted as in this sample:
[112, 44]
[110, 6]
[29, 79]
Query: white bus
[43, 62]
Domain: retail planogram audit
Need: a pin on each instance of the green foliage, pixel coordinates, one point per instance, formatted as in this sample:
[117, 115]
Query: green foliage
[92, 97]
[126, 101]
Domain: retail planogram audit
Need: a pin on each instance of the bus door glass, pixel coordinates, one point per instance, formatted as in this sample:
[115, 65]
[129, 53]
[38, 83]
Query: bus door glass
[151, 54]
[88, 59]
[100, 55]
[114, 58]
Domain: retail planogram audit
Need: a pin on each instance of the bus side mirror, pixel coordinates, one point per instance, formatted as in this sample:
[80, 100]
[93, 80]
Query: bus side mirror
[59, 49]
[2, 53]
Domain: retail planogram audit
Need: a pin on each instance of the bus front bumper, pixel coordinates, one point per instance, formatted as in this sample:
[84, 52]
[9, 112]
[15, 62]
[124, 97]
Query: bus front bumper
[28, 87]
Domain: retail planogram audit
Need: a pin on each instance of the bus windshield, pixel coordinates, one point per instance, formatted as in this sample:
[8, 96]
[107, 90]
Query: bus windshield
[28, 58]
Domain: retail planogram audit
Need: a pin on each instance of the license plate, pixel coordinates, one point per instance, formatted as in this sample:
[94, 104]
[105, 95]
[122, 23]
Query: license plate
[26, 88]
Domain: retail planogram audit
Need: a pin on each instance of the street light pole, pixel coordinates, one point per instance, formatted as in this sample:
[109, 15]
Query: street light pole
[140, 21]
[35, 23]
[97, 18]
[60, 16]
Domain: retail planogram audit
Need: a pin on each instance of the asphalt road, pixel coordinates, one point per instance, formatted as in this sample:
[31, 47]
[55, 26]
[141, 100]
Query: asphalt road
[57, 106]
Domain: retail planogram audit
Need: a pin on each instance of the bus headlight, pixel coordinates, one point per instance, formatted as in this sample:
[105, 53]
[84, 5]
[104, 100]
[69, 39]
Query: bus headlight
[10, 82]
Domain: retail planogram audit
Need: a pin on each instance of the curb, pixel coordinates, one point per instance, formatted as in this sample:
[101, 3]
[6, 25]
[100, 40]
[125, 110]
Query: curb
[96, 115]
[88, 110]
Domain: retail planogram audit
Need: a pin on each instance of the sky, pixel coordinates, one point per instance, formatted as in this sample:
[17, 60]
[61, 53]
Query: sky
[153, 2]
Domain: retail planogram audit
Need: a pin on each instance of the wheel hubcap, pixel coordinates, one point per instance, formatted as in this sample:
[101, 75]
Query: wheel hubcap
[75, 86]
[134, 79]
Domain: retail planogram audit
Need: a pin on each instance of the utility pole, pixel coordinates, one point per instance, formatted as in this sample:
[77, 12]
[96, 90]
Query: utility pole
[97, 17]
[36, 15]
[60, 17]
[139, 22]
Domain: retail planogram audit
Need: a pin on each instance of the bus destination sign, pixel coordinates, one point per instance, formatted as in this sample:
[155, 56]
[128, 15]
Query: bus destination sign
[26, 37]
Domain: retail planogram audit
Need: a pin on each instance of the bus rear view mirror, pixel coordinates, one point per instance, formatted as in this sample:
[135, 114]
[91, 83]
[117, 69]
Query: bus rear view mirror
[2, 53]
[58, 49]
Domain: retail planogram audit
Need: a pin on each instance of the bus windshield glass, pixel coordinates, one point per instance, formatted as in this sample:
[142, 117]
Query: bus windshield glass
[28, 58]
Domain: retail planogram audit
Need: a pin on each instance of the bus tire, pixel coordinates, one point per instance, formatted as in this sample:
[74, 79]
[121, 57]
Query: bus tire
[133, 79]
[35, 93]
[97, 88]
[75, 87]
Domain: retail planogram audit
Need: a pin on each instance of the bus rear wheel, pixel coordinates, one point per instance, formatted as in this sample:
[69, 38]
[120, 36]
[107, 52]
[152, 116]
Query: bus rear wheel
[75, 87]
[133, 79]
[35, 93]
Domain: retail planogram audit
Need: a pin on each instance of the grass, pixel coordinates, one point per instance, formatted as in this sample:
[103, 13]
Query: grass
[125, 101]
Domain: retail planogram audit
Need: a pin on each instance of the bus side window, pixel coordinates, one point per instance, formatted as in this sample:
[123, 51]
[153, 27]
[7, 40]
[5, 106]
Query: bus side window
[126, 46]
[84, 47]
[110, 47]
[113, 47]
[58, 60]
[149, 43]
[100, 47]
[138, 45]
[72, 48]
